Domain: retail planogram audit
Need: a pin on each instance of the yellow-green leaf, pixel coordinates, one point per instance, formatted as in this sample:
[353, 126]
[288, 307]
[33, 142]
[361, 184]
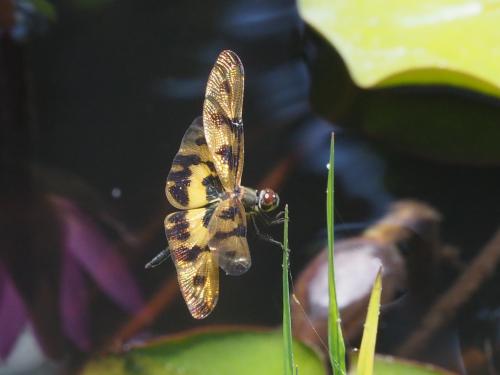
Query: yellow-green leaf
[209, 353]
[391, 42]
[367, 350]
[387, 365]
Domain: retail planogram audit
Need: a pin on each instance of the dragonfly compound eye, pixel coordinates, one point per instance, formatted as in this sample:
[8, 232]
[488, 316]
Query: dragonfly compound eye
[268, 200]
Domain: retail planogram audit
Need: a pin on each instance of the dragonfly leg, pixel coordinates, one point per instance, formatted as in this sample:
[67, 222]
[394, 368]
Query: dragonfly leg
[280, 215]
[158, 259]
[264, 236]
[278, 219]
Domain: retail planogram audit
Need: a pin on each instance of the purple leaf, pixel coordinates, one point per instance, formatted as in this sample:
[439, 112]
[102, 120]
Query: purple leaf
[74, 303]
[13, 315]
[95, 253]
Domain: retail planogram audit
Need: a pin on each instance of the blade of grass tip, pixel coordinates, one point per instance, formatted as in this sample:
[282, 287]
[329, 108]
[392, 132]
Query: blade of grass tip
[335, 339]
[287, 320]
[367, 350]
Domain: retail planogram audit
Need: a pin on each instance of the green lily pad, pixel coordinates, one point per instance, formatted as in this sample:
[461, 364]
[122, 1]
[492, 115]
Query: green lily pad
[220, 352]
[46, 8]
[91, 4]
[386, 43]
[432, 125]
[387, 365]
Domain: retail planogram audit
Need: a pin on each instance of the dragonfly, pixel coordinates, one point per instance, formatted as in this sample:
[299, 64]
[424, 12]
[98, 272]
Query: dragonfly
[204, 183]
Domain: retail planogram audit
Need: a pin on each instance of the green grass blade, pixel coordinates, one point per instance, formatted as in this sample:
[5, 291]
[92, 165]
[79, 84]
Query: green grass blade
[336, 345]
[367, 350]
[287, 320]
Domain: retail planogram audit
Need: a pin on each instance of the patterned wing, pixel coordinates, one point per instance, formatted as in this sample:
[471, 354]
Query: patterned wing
[222, 118]
[197, 268]
[192, 181]
[228, 230]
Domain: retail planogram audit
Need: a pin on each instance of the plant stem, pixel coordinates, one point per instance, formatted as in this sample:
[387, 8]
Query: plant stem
[445, 308]
[287, 321]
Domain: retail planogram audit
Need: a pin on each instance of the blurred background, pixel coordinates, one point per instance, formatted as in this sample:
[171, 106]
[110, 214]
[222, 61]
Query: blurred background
[95, 96]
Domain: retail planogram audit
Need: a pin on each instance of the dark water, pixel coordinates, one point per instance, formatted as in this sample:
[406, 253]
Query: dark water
[94, 109]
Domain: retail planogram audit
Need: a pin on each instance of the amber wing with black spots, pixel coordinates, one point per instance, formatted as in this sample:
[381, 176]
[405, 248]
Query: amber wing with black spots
[197, 267]
[192, 181]
[227, 230]
[222, 120]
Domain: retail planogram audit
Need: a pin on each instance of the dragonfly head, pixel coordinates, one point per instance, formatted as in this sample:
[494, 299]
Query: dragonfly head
[268, 200]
